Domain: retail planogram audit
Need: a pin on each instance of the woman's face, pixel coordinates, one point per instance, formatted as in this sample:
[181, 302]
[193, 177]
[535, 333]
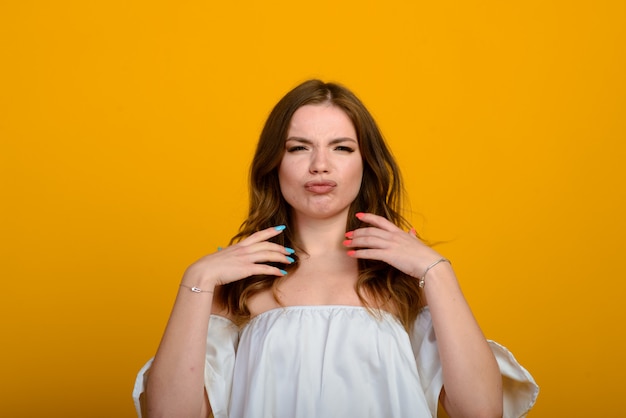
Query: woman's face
[321, 171]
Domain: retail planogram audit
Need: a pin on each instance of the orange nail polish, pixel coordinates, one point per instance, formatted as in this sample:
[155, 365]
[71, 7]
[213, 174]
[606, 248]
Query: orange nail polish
[351, 253]
[347, 242]
[359, 215]
[349, 234]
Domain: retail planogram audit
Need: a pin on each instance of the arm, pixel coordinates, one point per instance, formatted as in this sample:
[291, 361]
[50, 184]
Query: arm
[176, 381]
[471, 376]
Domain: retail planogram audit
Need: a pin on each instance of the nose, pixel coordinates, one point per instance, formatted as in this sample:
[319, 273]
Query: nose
[319, 162]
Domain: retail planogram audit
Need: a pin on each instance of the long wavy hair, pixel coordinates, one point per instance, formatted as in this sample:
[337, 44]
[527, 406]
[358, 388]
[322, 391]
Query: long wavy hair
[379, 285]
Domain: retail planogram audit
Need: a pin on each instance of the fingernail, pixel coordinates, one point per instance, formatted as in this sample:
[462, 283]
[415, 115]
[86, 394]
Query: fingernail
[359, 215]
[290, 250]
[347, 242]
[280, 227]
[351, 253]
[291, 260]
[219, 248]
[283, 272]
[349, 234]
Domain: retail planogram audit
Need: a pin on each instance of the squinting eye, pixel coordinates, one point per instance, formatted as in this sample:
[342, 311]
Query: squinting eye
[344, 148]
[296, 148]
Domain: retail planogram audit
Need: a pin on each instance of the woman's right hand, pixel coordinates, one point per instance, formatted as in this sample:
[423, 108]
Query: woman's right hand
[244, 259]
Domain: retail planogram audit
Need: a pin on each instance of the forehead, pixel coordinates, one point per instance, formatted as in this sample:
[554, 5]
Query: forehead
[321, 120]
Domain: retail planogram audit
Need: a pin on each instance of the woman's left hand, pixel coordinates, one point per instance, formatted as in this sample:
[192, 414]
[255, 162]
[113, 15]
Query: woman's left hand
[386, 242]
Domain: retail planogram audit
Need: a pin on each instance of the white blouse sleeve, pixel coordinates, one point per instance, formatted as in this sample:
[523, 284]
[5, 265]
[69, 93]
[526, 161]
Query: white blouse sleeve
[519, 388]
[222, 340]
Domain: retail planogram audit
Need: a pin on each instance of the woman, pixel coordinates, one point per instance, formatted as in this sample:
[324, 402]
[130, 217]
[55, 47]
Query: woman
[323, 306]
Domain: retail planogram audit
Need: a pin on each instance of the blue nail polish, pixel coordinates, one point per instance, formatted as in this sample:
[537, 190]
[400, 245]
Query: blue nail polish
[291, 260]
[290, 250]
[280, 227]
[283, 272]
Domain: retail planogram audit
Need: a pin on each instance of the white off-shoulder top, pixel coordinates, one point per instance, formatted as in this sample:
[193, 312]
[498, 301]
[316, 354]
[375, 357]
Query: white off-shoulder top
[334, 361]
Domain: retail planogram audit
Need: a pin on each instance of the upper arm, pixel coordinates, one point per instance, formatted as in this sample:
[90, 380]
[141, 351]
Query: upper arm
[205, 411]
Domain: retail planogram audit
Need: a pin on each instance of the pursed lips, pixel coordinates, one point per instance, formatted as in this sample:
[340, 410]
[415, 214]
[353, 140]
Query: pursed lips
[320, 186]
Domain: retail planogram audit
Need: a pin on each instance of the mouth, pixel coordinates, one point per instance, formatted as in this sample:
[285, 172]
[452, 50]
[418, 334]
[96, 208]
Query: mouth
[320, 186]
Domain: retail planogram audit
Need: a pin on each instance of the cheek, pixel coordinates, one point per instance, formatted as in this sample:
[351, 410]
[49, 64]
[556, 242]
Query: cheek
[286, 178]
[358, 172]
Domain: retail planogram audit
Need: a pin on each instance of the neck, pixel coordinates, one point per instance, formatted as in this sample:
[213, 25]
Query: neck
[321, 236]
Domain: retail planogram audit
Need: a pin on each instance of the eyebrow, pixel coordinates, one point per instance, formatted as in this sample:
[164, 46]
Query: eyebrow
[332, 142]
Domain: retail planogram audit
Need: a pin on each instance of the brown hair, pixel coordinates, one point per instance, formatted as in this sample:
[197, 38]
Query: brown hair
[381, 193]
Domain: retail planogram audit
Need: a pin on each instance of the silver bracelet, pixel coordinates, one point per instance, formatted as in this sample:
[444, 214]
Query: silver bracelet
[422, 280]
[195, 289]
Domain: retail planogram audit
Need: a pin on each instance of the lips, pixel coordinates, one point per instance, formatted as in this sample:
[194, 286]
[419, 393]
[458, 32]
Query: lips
[320, 186]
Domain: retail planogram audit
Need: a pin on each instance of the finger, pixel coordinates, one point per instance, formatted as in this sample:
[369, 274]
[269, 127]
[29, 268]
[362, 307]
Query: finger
[377, 221]
[264, 251]
[370, 231]
[269, 256]
[263, 235]
[368, 241]
[367, 253]
[264, 269]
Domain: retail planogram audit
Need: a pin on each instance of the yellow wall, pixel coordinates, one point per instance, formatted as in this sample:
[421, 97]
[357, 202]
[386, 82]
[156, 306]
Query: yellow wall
[126, 128]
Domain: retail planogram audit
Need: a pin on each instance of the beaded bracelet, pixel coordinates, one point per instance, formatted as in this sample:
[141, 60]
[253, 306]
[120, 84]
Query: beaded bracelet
[422, 281]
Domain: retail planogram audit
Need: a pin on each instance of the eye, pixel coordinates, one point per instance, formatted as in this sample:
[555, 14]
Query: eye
[296, 148]
[344, 148]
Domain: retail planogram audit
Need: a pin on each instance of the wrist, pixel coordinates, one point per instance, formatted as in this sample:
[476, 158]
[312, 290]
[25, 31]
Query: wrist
[196, 276]
[197, 284]
[431, 270]
[196, 289]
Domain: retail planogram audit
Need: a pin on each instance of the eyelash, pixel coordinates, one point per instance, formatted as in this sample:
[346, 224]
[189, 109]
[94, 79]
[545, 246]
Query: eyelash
[303, 148]
[296, 148]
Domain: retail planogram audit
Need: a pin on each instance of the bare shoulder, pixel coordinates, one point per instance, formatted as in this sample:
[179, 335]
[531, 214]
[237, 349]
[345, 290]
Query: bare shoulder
[262, 302]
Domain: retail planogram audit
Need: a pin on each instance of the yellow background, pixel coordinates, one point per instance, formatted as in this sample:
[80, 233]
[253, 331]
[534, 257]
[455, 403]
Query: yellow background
[127, 127]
